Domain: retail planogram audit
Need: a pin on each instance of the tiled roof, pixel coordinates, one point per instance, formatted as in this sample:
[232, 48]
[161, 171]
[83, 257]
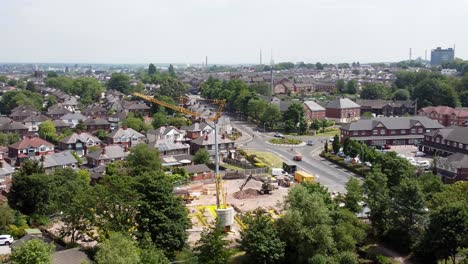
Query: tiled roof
[342, 103]
[392, 123]
[125, 132]
[81, 137]
[4, 120]
[197, 168]
[111, 152]
[30, 142]
[73, 116]
[60, 123]
[57, 159]
[313, 106]
[454, 134]
[165, 145]
[5, 169]
[13, 126]
[95, 122]
[210, 140]
[35, 118]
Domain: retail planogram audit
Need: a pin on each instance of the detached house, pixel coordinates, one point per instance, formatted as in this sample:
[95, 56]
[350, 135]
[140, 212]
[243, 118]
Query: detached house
[56, 111]
[22, 112]
[225, 145]
[94, 124]
[95, 111]
[29, 147]
[125, 136]
[64, 159]
[196, 130]
[313, 111]
[445, 115]
[168, 133]
[60, 125]
[136, 107]
[107, 155]
[79, 142]
[34, 121]
[14, 127]
[343, 110]
[73, 119]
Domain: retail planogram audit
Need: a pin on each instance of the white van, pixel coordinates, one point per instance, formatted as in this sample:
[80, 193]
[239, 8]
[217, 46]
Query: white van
[6, 240]
[277, 172]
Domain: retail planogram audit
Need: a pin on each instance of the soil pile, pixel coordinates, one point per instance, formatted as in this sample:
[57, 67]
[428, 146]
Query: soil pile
[247, 193]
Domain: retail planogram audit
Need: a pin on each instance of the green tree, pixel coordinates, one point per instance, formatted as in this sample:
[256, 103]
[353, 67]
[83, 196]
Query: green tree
[47, 131]
[341, 85]
[336, 144]
[159, 120]
[293, 115]
[136, 123]
[12, 99]
[367, 115]
[7, 217]
[319, 66]
[351, 87]
[375, 91]
[271, 116]
[255, 108]
[33, 251]
[173, 88]
[346, 145]
[447, 232]
[212, 246]
[161, 214]
[8, 139]
[118, 249]
[30, 86]
[119, 82]
[89, 89]
[61, 82]
[262, 88]
[325, 147]
[353, 195]
[401, 94]
[52, 74]
[143, 159]
[435, 92]
[171, 71]
[347, 258]
[260, 240]
[464, 98]
[151, 254]
[202, 156]
[178, 121]
[379, 201]
[152, 69]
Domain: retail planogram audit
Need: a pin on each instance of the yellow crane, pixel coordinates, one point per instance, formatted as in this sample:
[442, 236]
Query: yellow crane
[221, 194]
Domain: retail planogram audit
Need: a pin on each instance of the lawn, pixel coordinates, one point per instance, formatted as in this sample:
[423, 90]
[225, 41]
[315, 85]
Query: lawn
[269, 159]
[329, 132]
[290, 141]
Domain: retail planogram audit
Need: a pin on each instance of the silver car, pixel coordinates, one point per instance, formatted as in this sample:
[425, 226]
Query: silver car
[6, 240]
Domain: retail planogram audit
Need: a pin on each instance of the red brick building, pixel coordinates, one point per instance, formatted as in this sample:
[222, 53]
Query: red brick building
[453, 168]
[312, 111]
[446, 115]
[30, 146]
[199, 172]
[390, 130]
[446, 141]
[343, 110]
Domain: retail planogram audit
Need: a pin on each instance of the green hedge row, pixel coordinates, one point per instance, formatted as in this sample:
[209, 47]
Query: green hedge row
[356, 168]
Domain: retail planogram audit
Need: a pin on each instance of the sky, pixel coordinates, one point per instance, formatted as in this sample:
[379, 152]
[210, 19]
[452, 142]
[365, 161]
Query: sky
[229, 31]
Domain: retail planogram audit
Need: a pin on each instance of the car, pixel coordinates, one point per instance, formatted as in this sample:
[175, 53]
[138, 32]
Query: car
[6, 240]
[386, 146]
[419, 154]
[310, 142]
[297, 158]
[331, 140]
[368, 164]
[341, 154]
[278, 135]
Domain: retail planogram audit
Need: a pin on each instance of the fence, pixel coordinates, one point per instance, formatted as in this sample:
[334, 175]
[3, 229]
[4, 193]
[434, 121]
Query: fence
[240, 164]
[240, 174]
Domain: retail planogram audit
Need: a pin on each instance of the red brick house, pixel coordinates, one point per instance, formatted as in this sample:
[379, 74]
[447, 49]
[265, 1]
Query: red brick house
[343, 110]
[107, 155]
[199, 172]
[125, 136]
[313, 111]
[446, 115]
[446, 141]
[14, 127]
[29, 147]
[95, 124]
[390, 130]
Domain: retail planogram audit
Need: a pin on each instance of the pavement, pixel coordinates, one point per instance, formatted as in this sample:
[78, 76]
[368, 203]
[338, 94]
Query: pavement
[329, 174]
[5, 250]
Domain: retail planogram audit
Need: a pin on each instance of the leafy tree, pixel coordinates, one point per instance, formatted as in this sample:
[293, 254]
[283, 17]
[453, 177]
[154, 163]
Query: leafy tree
[172, 87]
[379, 201]
[7, 217]
[8, 139]
[161, 214]
[212, 247]
[325, 147]
[262, 88]
[143, 159]
[448, 231]
[346, 145]
[171, 71]
[119, 82]
[351, 87]
[47, 131]
[353, 195]
[60, 82]
[341, 85]
[52, 74]
[12, 99]
[306, 226]
[159, 120]
[336, 144]
[260, 240]
[319, 66]
[89, 89]
[347, 258]
[401, 94]
[136, 123]
[348, 230]
[118, 249]
[374, 91]
[33, 251]
[395, 168]
[3, 79]
[255, 108]
[271, 116]
[435, 92]
[315, 125]
[151, 254]
[152, 69]
[318, 259]
[178, 121]
[367, 115]
[30, 86]
[464, 98]
[202, 156]
[457, 192]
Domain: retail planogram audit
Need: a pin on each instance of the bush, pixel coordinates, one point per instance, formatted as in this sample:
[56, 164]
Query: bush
[259, 164]
[289, 141]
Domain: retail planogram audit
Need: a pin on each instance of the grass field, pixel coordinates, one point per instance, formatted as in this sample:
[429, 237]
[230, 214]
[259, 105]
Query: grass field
[269, 159]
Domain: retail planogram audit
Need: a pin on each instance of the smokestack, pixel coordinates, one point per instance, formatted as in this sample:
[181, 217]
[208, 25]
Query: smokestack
[206, 61]
[410, 53]
[103, 151]
[260, 56]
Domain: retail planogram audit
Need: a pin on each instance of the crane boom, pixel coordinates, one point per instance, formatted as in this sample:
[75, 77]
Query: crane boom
[173, 107]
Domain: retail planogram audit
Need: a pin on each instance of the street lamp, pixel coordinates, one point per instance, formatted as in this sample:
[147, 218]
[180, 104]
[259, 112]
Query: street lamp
[264, 130]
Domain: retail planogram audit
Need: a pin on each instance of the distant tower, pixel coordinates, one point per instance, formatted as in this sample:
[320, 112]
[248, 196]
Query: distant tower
[260, 56]
[206, 61]
[410, 53]
[425, 55]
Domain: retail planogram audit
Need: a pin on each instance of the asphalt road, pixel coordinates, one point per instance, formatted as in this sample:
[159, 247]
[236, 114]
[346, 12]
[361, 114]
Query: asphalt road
[329, 174]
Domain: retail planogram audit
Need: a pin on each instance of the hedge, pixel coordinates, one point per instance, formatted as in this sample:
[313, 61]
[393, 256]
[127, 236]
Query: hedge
[356, 168]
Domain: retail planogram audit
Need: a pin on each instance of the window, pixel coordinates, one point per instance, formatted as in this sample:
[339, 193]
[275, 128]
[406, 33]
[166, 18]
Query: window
[460, 145]
[428, 130]
[403, 131]
[420, 130]
[438, 140]
[393, 132]
[375, 132]
[355, 133]
[413, 130]
[42, 149]
[382, 131]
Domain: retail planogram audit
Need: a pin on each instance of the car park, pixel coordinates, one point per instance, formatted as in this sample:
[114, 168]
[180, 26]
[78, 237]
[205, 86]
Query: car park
[6, 240]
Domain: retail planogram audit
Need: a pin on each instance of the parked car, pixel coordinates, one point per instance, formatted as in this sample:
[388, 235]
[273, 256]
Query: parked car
[425, 164]
[419, 154]
[386, 146]
[368, 164]
[310, 142]
[341, 154]
[6, 240]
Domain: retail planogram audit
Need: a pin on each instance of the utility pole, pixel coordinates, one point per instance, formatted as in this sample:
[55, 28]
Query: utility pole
[217, 178]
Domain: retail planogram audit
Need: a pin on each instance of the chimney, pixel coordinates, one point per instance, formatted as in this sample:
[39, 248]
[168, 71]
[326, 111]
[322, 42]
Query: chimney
[223, 136]
[103, 150]
[126, 149]
[42, 158]
[206, 137]
[124, 127]
[78, 132]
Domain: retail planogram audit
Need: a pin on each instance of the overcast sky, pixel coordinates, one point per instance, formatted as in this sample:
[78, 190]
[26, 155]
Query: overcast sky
[228, 31]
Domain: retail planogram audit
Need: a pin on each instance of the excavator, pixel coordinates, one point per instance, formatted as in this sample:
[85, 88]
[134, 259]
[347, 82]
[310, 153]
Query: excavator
[267, 186]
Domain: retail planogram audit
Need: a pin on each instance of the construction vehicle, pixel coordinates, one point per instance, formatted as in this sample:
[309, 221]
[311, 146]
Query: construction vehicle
[184, 195]
[289, 167]
[302, 176]
[284, 180]
[267, 185]
[246, 181]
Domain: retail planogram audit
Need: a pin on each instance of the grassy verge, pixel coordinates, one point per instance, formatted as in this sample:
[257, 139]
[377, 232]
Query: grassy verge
[329, 132]
[289, 141]
[231, 167]
[356, 168]
[269, 159]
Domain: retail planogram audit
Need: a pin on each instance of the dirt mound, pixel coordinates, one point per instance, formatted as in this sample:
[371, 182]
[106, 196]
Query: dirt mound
[247, 193]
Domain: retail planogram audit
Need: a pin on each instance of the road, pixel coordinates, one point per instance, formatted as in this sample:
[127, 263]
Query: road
[329, 175]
